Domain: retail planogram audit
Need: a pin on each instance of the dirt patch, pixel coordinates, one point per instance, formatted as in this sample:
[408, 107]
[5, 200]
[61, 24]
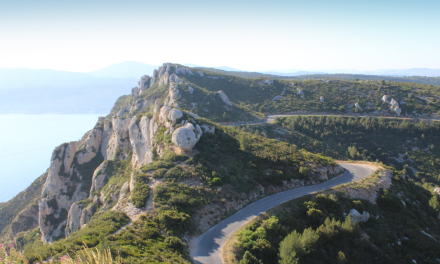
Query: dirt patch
[371, 165]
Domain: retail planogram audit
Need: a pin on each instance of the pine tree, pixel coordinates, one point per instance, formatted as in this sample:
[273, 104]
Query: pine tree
[248, 258]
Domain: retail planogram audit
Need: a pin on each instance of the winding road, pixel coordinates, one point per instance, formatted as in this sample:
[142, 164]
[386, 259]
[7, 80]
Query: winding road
[271, 118]
[210, 243]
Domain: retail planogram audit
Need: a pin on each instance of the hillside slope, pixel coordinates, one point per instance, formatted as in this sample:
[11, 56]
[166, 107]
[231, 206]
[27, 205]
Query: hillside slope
[162, 170]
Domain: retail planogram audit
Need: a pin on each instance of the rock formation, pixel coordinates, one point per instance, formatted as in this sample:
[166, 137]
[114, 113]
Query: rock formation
[184, 138]
[91, 147]
[385, 98]
[357, 217]
[358, 106]
[78, 169]
[79, 215]
[321, 98]
[224, 97]
[278, 97]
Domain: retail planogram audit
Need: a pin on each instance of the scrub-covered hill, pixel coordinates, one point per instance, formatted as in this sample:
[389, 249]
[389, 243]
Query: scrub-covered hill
[149, 176]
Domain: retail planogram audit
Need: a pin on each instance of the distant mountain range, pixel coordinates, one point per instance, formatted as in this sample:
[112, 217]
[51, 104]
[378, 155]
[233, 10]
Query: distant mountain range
[50, 91]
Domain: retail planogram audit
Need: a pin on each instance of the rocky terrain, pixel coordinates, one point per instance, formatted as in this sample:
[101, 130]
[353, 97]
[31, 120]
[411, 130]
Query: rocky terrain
[157, 162]
[123, 164]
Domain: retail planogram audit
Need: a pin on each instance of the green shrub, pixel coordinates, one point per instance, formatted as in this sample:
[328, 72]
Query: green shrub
[159, 173]
[141, 190]
[177, 173]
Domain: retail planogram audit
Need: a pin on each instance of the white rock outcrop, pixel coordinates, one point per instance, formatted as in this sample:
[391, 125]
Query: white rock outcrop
[61, 189]
[173, 115]
[396, 110]
[78, 217]
[140, 141]
[224, 98]
[174, 79]
[300, 92]
[357, 217]
[321, 98]
[117, 135]
[173, 96]
[207, 128]
[144, 83]
[92, 144]
[358, 106]
[99, 178]
[385, 98]
[437, 190]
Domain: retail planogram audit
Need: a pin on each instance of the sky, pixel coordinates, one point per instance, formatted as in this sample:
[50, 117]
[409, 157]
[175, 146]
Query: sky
[85, 35]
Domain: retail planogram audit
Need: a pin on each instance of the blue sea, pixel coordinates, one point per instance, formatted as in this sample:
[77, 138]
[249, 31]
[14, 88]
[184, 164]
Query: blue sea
[27, 142]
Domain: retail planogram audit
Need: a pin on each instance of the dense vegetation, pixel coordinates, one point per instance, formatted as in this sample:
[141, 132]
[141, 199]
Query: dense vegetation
[251, 97]
[141, 190]
[398, 143]
[403, 226]
[142, 242]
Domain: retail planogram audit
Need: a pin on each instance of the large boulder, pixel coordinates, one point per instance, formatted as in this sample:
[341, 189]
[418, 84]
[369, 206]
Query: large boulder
[163, 115]
[184, 138]
[174, 115]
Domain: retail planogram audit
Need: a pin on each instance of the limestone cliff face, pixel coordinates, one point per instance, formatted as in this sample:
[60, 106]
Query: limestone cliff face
[141, 140]
[79, 215]
[78, 170]
[64, 186]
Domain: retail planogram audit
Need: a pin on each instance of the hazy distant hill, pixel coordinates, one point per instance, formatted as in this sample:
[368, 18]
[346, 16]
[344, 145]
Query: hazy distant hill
[127, 69]
[296, 73]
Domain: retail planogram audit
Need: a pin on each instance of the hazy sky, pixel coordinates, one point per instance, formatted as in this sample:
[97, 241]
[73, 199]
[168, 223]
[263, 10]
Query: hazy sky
[84, 35]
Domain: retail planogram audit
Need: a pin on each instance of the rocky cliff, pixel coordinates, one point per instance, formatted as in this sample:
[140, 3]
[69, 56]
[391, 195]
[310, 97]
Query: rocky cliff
[77, 169]
[100, 172]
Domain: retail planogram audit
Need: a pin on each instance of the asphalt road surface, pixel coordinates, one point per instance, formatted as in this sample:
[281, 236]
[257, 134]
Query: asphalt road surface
[209, 244]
